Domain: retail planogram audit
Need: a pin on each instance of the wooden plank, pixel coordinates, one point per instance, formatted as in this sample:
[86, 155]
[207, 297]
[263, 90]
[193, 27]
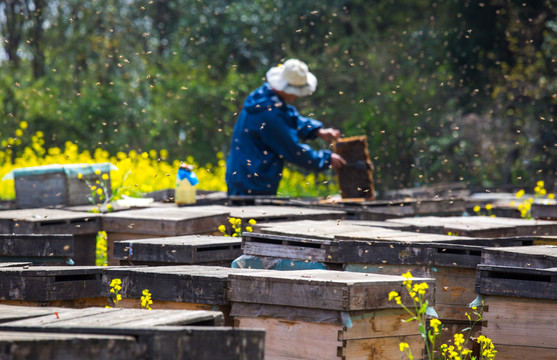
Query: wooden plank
[326, 230]
[288, 247]
[36, 245]
[521, 322]
[481, 226]
[383, 252]
[13, 313]
[516, 281]
[48, 221]
[454, 287]
[381, 348]
[305, 340]
[117, 317]
[165, 221]
[50, 283]
[172, 342]
[185, 284]
[356, 177]
[544, 212]
[41, 346]
[272, 213]
[521, 352]
[191, 249]
[332, 290]
[379, 324]
[536, 257]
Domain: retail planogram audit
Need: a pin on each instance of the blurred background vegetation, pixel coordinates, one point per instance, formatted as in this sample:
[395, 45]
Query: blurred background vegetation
[445, 90]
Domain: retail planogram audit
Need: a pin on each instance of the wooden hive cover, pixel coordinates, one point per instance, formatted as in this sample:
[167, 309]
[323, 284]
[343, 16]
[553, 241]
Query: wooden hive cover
[322, 229]
[356, 177]
[98, 317]
[275, 213]
[188, 249]
[157, 334]
[534, 257]
[480, 226]
[48, 221]
[50, 283]
[165, 221]
[318, 289]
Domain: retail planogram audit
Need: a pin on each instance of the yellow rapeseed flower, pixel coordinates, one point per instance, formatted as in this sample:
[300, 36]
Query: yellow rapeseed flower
[403, 346]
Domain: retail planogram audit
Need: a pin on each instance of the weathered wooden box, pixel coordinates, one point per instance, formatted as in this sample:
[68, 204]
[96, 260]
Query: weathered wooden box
[83, 226]
[179, 250]
[519, 285]
[37, 249]
[316, 314]
[53, 185]
[160, 222]
[66, 346]
[66, 286]
[174, 287]
[155, 334]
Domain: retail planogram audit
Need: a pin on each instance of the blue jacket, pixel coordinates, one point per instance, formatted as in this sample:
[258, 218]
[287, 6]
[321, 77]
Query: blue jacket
[267, 133]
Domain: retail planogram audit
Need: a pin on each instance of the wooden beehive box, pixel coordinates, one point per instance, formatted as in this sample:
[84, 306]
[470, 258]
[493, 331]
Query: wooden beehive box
[37, 249]
[450, 260]
[324, 314]
[187, 287]
[155, 334]
[356, 177]
[47, 346]
[522, 301]
[53, 185]
[179, 250]
[67, 286]
[83, 226]
[160, 222]
[480, 226]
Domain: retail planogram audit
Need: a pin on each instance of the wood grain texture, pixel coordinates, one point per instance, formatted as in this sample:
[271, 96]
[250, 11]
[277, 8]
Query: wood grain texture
[50, 283]
[332, 290]
[521, 322]
[189, 249]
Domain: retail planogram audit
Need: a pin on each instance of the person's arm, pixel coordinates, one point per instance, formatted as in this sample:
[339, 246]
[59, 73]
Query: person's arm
[284, 140]
[329, 134]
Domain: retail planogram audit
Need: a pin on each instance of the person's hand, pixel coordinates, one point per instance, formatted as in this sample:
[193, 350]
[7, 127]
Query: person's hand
[337, 161]
[329, 134]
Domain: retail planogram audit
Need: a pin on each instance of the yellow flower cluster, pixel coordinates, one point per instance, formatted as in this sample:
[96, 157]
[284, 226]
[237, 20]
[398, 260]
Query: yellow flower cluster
[236, 227]
[115, 287]
[525, 206]
[101, 249]
[146, 301]
[487, 349]
[419, 312]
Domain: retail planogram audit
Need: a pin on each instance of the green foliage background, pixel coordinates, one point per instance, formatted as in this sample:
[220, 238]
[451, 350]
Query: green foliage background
[445, 90]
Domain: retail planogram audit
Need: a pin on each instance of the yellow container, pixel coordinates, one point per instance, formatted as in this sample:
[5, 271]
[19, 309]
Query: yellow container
[185, 192]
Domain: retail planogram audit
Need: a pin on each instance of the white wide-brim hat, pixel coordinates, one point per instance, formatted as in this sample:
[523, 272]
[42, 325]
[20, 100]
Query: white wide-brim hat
[293, 77]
